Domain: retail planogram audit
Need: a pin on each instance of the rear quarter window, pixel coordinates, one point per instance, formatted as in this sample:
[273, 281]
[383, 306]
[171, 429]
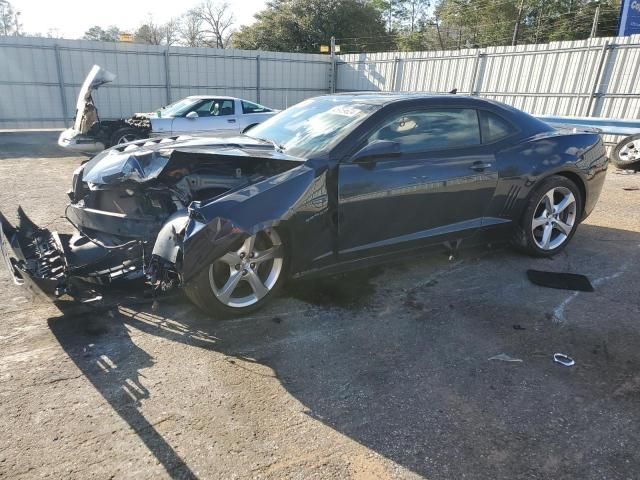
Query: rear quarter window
[494, 127]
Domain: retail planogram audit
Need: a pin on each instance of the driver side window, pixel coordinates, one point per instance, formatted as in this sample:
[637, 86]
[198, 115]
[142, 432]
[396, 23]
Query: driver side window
[434, 129]
[215, 108]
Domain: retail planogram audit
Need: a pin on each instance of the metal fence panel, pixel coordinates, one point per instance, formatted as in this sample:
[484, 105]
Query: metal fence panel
[40, 77]
[595, 77]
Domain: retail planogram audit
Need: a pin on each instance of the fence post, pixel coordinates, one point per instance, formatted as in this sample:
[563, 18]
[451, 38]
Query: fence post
[258, 78]
[334, 66]
[167, 76]
[63, 95]
[396, 67]
[596, 80]
[333, 75]
[474, 74]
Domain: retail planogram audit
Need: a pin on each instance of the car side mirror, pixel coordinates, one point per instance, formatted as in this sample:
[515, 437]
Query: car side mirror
[191, 115]
[377, 150]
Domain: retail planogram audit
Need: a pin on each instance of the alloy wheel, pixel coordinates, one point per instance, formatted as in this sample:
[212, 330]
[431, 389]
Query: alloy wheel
[129, 137]
[554, 218]
[243, 277]
[630, 152]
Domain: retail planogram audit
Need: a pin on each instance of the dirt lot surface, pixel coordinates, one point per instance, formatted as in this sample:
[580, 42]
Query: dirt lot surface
[379, 374]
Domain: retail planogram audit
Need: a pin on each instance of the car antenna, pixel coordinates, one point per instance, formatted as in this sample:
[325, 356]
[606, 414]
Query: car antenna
[454, 91]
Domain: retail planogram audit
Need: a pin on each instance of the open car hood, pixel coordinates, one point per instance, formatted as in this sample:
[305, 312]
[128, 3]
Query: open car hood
[145, 160]
[84, 106]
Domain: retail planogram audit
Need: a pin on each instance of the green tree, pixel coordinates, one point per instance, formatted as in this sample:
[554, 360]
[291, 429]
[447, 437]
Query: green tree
[412, 14]
[465, 23]
[99, 34]
[303, 25]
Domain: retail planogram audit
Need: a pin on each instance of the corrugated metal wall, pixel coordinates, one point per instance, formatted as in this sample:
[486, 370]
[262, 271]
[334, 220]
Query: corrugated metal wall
[596, 77]
[40, 77]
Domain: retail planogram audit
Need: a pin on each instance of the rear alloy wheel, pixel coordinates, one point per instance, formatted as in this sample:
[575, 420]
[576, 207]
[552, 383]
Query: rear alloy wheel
[242, 280]
[554, 219]
[551, 217]
[627, 153]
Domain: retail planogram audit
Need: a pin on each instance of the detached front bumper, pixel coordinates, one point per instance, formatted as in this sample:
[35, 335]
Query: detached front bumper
[34, 257]
[77, 142]
[63, 267]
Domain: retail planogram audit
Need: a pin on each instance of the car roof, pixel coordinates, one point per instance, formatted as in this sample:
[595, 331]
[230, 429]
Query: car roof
[209, 97]
[385, 98]
[525, 122]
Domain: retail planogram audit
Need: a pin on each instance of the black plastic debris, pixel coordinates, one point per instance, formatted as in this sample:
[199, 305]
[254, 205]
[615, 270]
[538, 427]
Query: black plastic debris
[562, 281]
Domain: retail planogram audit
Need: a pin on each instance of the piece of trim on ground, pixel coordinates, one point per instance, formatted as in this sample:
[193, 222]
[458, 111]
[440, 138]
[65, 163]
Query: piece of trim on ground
[560, 280]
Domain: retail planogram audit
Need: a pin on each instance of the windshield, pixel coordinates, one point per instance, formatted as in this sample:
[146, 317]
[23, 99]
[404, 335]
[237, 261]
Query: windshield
[313, 126]
[179, 108]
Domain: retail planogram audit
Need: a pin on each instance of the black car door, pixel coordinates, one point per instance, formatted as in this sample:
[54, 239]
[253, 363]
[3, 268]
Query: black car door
[437, 187]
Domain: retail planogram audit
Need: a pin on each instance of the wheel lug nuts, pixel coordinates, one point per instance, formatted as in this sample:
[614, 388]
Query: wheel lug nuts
[242, 255]
[238, 267]
[244, 272]
[253, 265]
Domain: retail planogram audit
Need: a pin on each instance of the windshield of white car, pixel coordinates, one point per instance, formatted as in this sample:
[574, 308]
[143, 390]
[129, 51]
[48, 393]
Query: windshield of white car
[179, 108]
[313, 126]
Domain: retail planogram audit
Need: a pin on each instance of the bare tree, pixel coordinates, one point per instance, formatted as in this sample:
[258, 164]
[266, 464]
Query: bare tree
[171, 31]
[191, 34]
[8, 19]
[149, 32]
[218, 23]
[158, 34]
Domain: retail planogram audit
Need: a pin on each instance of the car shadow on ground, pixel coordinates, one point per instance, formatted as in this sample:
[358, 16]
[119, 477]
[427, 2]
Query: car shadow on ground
[408, 375]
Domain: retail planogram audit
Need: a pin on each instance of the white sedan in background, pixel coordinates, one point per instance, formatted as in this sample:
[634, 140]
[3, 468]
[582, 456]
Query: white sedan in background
[204, 113]
[193, 114]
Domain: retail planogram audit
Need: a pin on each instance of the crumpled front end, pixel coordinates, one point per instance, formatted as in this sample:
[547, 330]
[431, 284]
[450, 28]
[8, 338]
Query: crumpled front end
[64, 266]
[137, 212]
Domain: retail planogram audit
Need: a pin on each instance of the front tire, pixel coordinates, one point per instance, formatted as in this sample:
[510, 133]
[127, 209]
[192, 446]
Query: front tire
[243, 280]
[125, 135]
[551, 217]
[626, 154]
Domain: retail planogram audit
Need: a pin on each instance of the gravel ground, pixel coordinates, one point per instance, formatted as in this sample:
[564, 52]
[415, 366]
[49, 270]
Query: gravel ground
[377, 374]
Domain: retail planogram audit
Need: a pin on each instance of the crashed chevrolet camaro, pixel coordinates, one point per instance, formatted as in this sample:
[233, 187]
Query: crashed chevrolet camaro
[331, 184]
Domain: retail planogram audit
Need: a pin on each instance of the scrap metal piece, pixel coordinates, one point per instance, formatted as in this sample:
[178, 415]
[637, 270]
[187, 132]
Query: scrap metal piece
[503, 357]
[563, 359]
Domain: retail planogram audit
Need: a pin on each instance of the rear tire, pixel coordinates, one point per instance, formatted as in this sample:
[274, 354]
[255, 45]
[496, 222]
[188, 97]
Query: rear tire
[551, 217]
[626, 153]
[125, 135]
[244, 280]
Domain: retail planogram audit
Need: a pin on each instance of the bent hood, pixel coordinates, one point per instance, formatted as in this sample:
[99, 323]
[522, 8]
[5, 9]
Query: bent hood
[145, 160]
[97, 77]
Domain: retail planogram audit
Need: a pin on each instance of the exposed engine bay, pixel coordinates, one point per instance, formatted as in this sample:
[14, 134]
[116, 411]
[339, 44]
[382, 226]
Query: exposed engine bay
[131, 206]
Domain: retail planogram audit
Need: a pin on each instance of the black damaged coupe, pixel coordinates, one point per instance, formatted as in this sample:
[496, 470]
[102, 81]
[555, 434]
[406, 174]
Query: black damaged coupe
[334, 183]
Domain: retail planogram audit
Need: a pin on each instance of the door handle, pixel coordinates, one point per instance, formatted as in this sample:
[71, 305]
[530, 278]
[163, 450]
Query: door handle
[479, 166]
[232, 120]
